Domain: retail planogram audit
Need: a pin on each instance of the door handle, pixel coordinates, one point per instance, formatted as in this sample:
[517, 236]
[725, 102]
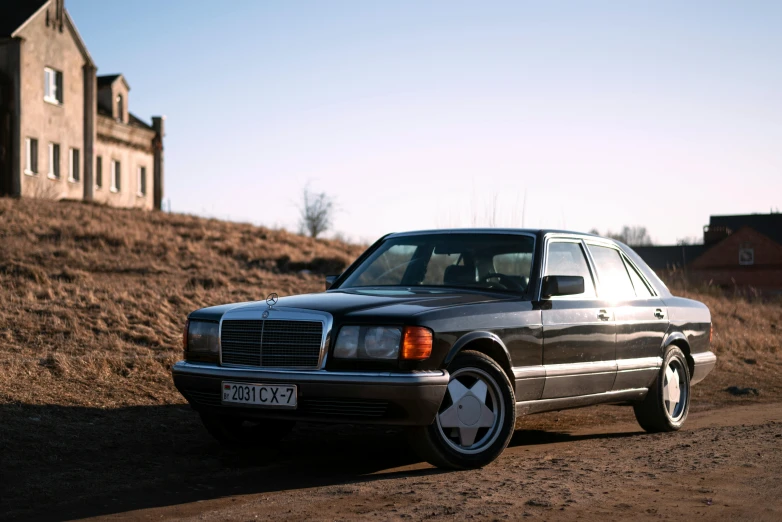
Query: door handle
[603, 315]
[659, 314]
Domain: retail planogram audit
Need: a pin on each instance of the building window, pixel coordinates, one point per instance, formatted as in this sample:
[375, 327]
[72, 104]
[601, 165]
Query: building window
[746, 254]
[116, 181]
[31, 154]
[52, 85]
[74, 174]
[99, 172]
[54, 160]
[142, 181]
[120, 108]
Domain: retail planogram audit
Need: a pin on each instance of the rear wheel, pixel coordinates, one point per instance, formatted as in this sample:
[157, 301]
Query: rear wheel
[475, 421]
[235, 432]
[668, 401]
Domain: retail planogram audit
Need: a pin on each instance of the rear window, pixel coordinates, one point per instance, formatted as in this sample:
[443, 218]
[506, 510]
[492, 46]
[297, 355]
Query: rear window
[611, 272]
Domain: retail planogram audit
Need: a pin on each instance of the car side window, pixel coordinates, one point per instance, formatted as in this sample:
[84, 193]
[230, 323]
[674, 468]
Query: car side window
[567, 259]
[641, 289]
[614, 280]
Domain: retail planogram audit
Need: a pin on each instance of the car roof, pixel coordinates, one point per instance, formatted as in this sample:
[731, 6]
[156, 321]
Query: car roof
[520, 231]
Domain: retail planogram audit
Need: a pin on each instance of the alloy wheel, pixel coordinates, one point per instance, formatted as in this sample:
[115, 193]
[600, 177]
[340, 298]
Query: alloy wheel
[472, 413]
[675, 389]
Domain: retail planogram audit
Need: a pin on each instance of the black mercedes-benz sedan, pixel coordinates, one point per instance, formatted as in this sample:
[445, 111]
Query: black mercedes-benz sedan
[452, 334]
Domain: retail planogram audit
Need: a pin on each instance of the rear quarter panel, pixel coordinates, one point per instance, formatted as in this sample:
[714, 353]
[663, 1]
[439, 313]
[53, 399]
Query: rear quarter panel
[691, 320]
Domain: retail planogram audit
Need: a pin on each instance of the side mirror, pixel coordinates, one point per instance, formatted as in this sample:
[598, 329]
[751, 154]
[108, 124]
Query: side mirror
[562, 285]
[330, 280]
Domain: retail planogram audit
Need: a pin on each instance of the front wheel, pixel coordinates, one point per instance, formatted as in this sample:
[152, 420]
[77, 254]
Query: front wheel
[476, 419]
[668, 400]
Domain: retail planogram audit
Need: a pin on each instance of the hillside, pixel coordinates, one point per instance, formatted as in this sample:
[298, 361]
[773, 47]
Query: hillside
[94, 299]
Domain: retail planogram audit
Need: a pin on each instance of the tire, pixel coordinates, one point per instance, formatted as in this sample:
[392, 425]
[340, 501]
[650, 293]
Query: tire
[235, 432]
[657, 412]
[474, 430]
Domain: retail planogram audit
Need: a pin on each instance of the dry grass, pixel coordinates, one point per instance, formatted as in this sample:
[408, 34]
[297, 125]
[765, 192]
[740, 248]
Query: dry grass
[747, 340]
[94, 298]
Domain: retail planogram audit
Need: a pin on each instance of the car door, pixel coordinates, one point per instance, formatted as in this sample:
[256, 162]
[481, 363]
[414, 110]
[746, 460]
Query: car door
[641, 317]
[579, 331]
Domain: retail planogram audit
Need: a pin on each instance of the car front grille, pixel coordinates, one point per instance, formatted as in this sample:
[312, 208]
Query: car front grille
[205, 398]
[272, 343]
[345, 407]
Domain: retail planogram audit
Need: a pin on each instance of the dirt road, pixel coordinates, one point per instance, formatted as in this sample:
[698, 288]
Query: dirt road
[726, 464]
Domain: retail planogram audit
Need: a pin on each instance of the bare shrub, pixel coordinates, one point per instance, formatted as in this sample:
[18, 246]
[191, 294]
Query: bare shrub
[45, 189]
[317, 212]
[632, 236]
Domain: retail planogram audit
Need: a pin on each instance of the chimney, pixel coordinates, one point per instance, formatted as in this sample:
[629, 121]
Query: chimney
[90, 111]
[158, 124]
[714, 234]
[57, 18]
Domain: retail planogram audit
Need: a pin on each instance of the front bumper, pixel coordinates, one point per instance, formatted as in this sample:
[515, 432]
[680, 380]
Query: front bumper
[411, 398]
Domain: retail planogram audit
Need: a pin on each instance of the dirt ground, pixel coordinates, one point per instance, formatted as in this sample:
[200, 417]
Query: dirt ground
[590, 464]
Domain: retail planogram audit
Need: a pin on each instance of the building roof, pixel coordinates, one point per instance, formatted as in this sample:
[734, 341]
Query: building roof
[133, 120]
[138, 122]
[767, 224]
[665, 257]
[107, 79]
[15, 13]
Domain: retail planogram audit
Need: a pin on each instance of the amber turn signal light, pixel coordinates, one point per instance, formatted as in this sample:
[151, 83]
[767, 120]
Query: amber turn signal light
[184, 335]
[416, 343]
[711, 333]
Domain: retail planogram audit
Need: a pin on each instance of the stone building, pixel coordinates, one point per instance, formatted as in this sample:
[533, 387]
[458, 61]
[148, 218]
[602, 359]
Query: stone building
[64, 131]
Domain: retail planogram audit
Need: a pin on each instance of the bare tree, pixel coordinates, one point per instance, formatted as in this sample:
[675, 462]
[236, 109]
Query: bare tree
[632, 236]
[316, 211]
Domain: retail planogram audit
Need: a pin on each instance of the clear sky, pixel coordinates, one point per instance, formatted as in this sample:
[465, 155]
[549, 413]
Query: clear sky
[436, 114]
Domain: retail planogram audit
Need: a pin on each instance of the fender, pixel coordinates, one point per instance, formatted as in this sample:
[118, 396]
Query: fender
[466, 339]
[671, 338]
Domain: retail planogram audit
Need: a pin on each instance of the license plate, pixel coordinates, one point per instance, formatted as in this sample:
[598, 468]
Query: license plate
[263, 395]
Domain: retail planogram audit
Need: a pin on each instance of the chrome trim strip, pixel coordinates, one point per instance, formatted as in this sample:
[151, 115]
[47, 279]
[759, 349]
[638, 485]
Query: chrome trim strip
[529, 372]
[642, 363]
[587, 368]
[437, 377]
[254, 313]
[582, 368]
[561, 403]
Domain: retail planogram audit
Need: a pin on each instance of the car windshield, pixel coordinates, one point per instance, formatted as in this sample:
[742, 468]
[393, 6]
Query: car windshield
[463, 260]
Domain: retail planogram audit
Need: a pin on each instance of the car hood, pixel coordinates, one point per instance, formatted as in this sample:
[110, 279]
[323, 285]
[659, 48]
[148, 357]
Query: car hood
[364, 302]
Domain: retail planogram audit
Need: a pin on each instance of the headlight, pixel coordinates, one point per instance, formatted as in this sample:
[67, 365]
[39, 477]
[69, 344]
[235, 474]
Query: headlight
[347, 343]
[368, 342]
[383, 342]
[202, 338]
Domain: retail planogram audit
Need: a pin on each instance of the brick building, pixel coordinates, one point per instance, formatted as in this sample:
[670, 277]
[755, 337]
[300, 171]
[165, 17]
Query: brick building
[741, 250]
[66, 133]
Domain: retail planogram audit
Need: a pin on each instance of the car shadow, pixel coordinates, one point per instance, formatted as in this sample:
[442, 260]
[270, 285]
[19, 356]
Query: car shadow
[60, 462]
